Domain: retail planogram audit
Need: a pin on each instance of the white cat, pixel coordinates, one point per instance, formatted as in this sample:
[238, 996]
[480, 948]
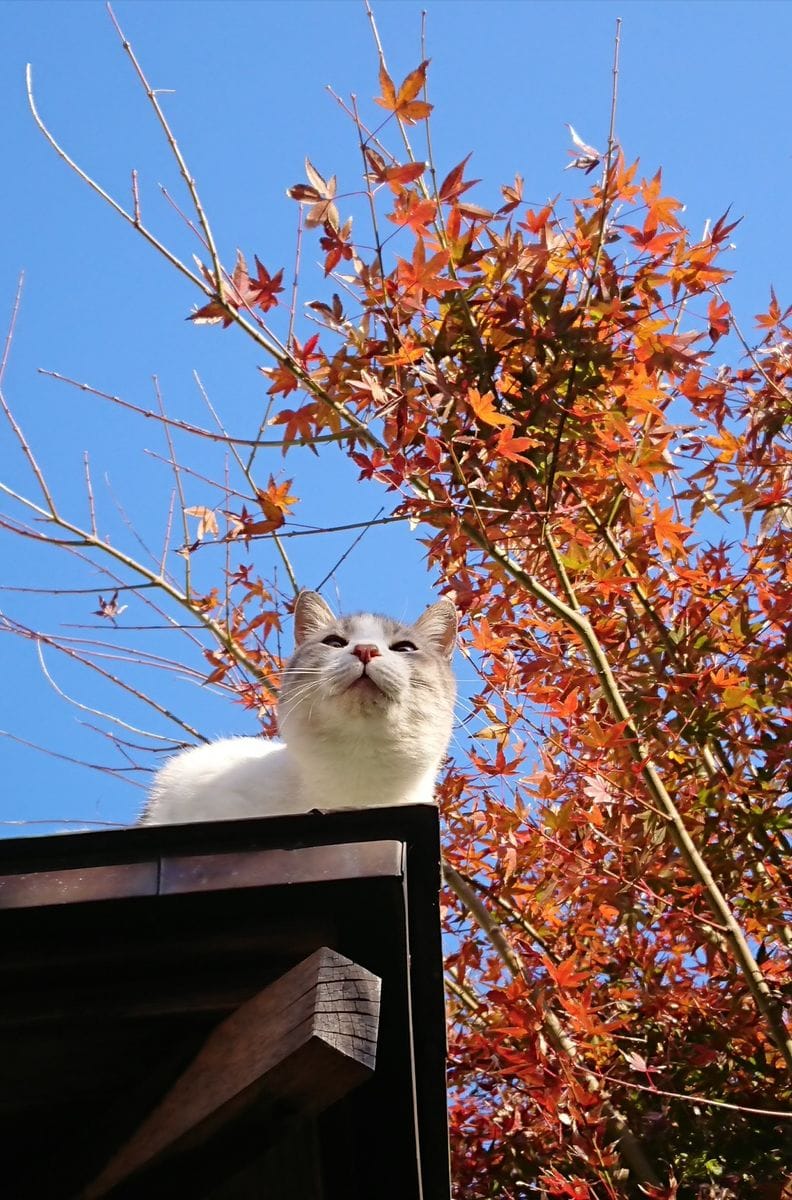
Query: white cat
[365, 710]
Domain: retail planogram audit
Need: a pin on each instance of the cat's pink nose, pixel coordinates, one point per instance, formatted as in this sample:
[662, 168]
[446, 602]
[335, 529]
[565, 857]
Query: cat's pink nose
[365, 651]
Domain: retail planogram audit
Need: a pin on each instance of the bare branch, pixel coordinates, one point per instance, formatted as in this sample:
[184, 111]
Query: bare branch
[9, 338]
[177, 154]
[39, 638]
[121, 773]
[131, 219]
[197, 430]
[89, 490]
[94, 711]
[15, 427]
[348, 550]
[246, 471]
[295, 279]
[180, 492]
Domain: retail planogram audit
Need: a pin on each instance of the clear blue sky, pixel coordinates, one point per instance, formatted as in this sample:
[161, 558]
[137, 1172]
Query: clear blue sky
[704, 91]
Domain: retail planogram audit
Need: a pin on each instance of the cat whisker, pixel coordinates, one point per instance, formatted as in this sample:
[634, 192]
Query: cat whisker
[462, 723]
[470, 709]
[303, 689]
[458, 744]
[297, 698]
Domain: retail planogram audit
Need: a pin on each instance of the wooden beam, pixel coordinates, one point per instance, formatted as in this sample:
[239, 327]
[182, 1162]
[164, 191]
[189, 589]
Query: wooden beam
[302, 1043]
[180, 874]
[78, 885]
[274, 868]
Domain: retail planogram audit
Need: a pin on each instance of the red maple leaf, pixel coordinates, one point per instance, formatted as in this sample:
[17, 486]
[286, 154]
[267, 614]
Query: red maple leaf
[336, 245]
[453, 186]
[264, 288]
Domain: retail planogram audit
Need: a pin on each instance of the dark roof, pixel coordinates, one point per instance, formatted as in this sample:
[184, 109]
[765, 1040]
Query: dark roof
[122, 951]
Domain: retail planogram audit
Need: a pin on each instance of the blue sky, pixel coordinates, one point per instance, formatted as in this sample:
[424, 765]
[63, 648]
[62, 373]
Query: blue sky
[704, 91]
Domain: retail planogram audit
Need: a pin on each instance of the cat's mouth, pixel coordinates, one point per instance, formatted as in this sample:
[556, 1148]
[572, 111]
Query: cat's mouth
[365, 686]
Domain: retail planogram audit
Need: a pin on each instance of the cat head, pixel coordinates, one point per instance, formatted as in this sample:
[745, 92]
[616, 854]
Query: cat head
[371, 680]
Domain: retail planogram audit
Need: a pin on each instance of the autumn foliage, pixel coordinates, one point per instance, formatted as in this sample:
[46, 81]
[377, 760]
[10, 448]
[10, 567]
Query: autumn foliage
[597, 462]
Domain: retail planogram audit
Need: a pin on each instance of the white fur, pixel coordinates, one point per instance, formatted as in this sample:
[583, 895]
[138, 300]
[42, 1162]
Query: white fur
[350, 741]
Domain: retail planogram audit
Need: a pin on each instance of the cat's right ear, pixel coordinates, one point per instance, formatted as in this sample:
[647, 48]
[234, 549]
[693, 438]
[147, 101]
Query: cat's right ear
[439, 624]
[311, 613]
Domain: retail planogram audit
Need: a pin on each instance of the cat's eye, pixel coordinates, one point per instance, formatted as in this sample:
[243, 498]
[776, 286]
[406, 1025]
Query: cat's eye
[333, 639]
[404, 647]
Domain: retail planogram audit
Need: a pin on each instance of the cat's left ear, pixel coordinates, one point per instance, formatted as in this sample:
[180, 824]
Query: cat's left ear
[439, 625]
[311, 613]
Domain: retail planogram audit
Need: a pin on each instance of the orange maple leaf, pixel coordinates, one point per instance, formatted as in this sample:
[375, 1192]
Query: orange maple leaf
[396, 175]
[276, 496]
[510, 446]
[661, 210]
[667, 531]
[413, 211]
[419, 276]
[403, 103]
[485, 410]
[283, 379]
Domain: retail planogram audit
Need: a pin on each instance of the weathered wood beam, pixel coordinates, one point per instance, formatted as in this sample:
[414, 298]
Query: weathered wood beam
[173, 875]
[302, 1043]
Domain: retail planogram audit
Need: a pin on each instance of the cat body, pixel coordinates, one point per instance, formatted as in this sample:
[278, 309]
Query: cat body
[365, 712]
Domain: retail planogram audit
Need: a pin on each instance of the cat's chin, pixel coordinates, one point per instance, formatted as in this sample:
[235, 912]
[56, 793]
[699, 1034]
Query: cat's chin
[364, 691]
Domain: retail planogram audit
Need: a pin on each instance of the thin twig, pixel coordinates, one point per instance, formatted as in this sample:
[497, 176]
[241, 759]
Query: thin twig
[84, 540]
[9, 338]
[118, 772]
[177, 154]
[41, 638]
[245, 469]
[193, 474]
[775, 1114]
[180, 493]
[84, 591]
[89, 490]
[771, 383]
[378, 243]
[183, 216]
[608, 165]
[268, 342]
[197, 430]
[94, 711]
[166, 540]
[295, 278]
[16, 428]
[130, 218]
[135, 198]
[348, 551]
[124, 515]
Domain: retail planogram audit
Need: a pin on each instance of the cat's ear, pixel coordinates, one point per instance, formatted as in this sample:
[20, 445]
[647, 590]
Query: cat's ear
[311, 614]
[439, 625]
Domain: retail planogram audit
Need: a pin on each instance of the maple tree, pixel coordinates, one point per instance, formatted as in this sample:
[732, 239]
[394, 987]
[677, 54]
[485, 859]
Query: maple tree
[607, 501]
